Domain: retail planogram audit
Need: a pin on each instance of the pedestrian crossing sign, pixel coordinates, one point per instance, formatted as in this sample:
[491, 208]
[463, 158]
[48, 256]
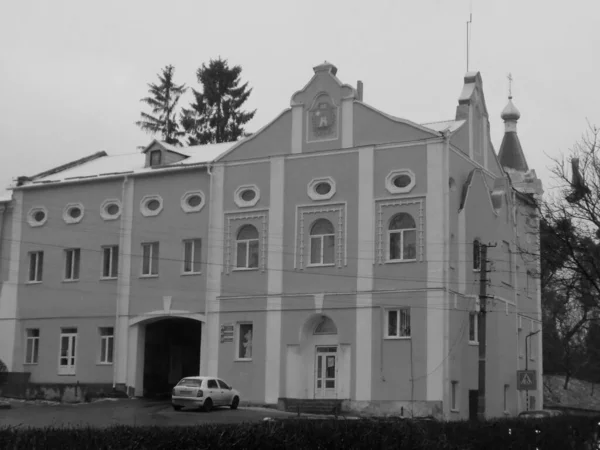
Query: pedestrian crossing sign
[526, 380]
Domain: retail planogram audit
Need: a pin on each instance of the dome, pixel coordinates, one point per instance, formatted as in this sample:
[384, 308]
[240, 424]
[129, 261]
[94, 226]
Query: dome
[510, 112]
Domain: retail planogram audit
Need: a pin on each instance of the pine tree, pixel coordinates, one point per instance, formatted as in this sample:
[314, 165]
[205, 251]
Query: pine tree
[215, 115]
[163, 101]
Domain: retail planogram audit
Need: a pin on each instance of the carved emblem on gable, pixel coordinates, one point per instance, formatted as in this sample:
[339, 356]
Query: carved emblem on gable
[322, 119]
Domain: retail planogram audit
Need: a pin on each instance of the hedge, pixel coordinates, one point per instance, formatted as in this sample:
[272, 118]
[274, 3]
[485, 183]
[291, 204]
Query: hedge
[309, 434]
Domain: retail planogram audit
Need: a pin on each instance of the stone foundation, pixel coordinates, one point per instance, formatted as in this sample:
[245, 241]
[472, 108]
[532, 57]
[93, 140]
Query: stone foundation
[384, 408]
[64, 393]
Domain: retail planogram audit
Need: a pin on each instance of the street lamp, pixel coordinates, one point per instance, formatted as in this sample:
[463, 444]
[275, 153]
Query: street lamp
[527, 359]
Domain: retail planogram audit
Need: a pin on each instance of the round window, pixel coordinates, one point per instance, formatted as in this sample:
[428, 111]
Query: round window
[39, 216]
[401, 181]
[112, 209]
[194, 201]
[75, 212]
[323, 188]
[248, 195]
[153, 205]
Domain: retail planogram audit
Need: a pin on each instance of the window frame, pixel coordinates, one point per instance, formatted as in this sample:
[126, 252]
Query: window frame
[195, 242]
[113, 261]
[475, 325]
[246, 243]
[509, 262]
[72, 256]
[38, 255]
[68, 370]
[321, 239]
[151, 162]
[399, 314]
[476, 255]
[110, 338]
[238, 342]
[151, 246]
[35, 352]
[454, 396]
[400, 231]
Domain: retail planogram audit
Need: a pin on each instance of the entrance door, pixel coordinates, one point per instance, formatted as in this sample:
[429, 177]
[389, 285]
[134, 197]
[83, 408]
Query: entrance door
[473, 404]
[325, 372]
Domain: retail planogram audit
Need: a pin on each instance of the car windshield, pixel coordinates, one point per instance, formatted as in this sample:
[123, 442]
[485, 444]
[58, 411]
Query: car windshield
[190, 382]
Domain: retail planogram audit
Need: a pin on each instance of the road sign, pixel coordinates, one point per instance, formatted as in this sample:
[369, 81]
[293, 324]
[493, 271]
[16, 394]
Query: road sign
[226, 333]
[526, 380]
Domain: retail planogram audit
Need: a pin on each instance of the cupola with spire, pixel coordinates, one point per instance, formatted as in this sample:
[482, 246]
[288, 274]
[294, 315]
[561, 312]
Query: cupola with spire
[511, 154]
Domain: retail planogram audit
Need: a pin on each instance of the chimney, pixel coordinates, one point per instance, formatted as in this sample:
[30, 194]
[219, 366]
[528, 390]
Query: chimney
[359, 88]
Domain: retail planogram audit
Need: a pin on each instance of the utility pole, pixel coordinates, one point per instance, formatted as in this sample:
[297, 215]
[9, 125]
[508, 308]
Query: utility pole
[482, 329]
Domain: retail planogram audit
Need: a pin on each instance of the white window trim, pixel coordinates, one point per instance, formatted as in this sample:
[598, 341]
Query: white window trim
[237, 341]
[240, 202]
[36, 343]
[110, 269]
[454, 396]
[191, 272]
[321, 237]
[30, 216]
[386, 324]
[314, 195]
[149, 275]
[68, 369]
[104, 207]
[37, 267]
[144, 202]
[476, 315]
[392, 188]
[67, 217]
[192, 209]
[102, 360]
[71, 252]
[389, 241]
[246, 242]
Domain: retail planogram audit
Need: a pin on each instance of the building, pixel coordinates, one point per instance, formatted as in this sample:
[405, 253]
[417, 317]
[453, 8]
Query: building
[334, 254]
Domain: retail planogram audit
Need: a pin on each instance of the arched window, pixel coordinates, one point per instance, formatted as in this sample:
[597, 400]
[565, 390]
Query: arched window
[247, 247]
[476, 255]
[322, 243]
[403, 238]
[325, 326]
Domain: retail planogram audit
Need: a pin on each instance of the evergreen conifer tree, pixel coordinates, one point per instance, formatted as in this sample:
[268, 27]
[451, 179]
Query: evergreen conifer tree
[215, 115]
[163, 102]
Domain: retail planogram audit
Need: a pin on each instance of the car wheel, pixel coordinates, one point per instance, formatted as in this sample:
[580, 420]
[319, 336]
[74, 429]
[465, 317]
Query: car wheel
[177, 407]
[207, 405]
[235, 402]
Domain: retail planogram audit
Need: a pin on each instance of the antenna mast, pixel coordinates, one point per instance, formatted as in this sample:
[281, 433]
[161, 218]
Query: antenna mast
[469, 37]
[510, 79]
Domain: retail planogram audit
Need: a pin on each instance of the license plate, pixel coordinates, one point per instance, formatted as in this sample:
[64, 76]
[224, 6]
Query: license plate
[185, 392]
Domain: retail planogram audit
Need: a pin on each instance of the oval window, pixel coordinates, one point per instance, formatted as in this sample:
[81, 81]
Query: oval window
[401, 181]
[153, 205]
[75, 212]
[39, 216]
[248, 195]
[194, 201]
[112, 209]
[323, 188]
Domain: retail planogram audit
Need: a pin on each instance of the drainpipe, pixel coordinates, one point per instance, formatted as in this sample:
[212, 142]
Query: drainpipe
[3, 207]
[119, 284]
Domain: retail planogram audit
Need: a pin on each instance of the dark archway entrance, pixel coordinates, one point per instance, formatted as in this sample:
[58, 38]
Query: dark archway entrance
[171, 352]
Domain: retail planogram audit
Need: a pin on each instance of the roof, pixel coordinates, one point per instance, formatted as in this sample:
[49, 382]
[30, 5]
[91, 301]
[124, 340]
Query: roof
[511, 154]
[5, 196]
[445, 125]
[101, 165]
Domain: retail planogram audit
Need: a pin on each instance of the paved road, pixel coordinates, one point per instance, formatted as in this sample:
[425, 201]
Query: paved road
[126, 412]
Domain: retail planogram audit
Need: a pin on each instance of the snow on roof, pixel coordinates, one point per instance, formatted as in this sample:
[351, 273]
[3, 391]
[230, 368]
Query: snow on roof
[199, 154]
[5, 196]
[445, 125]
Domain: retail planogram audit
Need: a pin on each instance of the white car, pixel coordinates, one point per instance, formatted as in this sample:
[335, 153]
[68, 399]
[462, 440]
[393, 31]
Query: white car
[203, 393]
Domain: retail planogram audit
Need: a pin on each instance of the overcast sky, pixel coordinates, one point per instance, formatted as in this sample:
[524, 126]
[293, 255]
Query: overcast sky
[72, 72]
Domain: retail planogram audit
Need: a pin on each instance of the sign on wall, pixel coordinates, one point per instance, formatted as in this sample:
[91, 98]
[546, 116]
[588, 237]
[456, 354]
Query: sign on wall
[226, 332]
[526, 380]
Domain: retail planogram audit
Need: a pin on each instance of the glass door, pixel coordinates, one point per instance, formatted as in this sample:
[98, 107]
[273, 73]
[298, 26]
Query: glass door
[326, 372]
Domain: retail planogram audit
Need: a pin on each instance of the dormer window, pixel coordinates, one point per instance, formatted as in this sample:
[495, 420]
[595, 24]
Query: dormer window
[155, 158]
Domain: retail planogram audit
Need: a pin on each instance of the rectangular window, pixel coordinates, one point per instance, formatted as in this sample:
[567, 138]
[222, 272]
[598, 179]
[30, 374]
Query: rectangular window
[107, 339]
[191, 255]
[72, 260]
[398, 323]
[322, 249]
[403, 245]
[110, 263]
[155, 158]
[66, 361]
[454, 396]
[508, 276]
[473, 331]
[32, 347]
[150, 254]
[506, 397]
[247, 254]
[36, 266]
[244, 341]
